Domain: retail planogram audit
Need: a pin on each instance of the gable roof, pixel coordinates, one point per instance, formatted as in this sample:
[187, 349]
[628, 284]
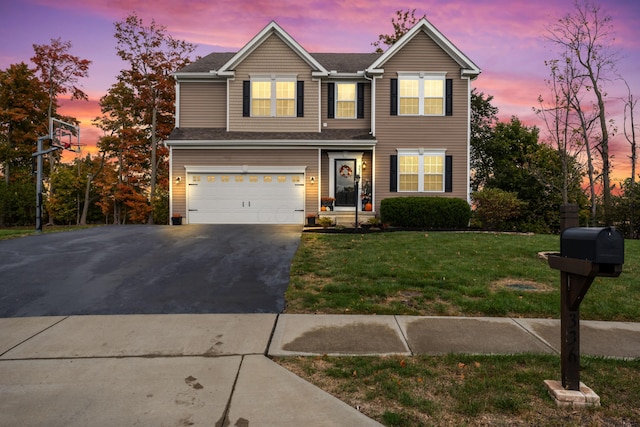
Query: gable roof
[272, 28]
[468, 67]
[323, 64]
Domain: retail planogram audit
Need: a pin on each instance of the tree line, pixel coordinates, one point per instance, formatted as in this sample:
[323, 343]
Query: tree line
[519, 175]
[127, 182]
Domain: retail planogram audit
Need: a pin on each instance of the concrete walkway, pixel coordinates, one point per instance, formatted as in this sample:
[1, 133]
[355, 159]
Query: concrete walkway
[211, 369]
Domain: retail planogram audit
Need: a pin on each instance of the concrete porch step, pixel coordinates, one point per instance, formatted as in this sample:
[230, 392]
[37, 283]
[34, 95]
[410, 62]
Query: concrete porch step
[348, 219]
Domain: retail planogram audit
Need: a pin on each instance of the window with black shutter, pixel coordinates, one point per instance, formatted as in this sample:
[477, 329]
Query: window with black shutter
[360, 107]
[394, 97]
[331, 100]
[246, 98]
[448, 174]
[393, 173]
[449, 97]
[300, 99]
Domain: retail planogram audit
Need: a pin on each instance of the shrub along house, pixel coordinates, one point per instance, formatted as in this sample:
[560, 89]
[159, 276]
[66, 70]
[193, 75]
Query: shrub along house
[265, 134]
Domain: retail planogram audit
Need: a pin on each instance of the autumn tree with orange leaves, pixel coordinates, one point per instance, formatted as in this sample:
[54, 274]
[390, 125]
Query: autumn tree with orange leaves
[153, 55]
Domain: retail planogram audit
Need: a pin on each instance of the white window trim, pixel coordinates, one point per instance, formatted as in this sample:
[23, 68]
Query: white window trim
[421, 77]
[421, 153]
[275, 78]
[355, 100]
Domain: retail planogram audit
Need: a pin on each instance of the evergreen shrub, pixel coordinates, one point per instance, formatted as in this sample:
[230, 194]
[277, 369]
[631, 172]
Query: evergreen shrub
[425, 212]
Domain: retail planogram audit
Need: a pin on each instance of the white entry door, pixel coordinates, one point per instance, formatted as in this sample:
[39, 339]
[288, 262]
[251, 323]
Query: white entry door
[245, 198]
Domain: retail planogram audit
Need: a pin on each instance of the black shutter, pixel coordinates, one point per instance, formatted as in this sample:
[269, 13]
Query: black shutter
[300, 99]
[246, 98]
[331, 103]
[394, 97]
[448, 174]
[393, 173]
[449, 97]
[360, 97]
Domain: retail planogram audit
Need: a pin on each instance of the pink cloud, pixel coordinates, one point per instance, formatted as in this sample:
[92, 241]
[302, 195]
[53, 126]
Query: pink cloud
[505, 38]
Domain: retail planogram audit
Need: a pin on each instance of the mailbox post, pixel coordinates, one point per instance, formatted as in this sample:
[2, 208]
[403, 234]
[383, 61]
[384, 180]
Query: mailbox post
[585, 253]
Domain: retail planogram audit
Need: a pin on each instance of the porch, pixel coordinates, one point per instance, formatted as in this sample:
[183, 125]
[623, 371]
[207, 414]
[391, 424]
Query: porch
[347, 219]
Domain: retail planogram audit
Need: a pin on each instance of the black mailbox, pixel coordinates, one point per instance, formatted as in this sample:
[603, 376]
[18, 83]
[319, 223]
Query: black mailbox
[601, 245]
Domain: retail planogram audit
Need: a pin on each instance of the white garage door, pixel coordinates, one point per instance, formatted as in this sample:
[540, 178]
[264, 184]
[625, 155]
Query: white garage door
[245, 198]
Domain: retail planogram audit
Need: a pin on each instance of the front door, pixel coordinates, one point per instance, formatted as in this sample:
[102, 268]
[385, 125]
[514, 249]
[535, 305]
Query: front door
[345, 171]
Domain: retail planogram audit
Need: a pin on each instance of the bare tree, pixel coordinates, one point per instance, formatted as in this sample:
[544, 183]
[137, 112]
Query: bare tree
[556, 115]
[587, 35]
[629, 128]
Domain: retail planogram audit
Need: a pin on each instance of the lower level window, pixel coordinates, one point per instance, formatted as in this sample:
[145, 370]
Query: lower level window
[421, 170]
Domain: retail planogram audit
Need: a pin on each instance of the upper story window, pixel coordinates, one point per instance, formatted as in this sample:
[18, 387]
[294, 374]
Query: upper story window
[273, 97]
[421, 94]
[345, 100]
[421, 170]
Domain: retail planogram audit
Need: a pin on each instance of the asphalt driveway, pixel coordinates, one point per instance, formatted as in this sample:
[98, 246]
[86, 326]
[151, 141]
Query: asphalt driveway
[140, 269]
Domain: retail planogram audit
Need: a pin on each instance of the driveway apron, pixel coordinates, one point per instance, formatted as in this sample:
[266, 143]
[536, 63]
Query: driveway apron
[141, 269]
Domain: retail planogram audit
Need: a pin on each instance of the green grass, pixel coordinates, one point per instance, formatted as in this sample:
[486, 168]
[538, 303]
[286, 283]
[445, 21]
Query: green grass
[14, 232]
[441, 273]
[472, 390]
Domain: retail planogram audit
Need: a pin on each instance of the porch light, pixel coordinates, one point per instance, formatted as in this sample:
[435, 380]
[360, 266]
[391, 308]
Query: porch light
[178, 179]
[312, 180]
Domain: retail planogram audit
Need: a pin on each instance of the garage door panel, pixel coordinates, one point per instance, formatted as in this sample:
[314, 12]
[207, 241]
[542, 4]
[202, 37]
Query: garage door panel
[276, 198]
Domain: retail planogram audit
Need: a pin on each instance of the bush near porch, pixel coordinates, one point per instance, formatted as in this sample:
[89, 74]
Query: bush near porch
[425, 212]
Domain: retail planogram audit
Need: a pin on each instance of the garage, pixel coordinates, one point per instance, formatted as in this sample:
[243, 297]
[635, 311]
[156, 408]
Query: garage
[245, 195]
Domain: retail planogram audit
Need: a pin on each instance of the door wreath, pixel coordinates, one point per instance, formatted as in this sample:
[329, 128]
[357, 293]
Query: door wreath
[345, 171]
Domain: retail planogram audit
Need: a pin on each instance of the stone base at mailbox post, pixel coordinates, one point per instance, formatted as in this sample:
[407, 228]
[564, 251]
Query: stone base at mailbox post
[583, 398]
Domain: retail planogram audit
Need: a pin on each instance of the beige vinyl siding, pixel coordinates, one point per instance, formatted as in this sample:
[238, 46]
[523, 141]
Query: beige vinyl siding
[203, 104]
[250, 157]
[273, 56]
[347, 123]
[441, 132]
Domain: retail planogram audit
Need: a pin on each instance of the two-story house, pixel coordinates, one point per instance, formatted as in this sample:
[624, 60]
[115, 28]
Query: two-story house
[266, 134]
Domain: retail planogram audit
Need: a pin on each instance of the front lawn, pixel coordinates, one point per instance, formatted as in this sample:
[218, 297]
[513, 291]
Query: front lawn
[447, 274]
[462, 274]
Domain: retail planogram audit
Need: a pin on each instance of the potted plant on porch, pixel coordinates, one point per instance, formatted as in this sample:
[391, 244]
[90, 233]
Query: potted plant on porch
[311, 218]
[327, 203]
[176, 219]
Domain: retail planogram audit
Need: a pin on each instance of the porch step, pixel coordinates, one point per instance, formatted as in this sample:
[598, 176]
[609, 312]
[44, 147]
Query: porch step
[348, 219]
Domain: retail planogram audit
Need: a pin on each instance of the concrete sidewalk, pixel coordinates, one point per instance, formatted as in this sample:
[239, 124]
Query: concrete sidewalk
[211, 369]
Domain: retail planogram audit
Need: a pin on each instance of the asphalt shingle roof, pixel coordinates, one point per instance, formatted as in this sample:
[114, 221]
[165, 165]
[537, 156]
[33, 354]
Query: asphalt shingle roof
[217, 134]
[340, 62]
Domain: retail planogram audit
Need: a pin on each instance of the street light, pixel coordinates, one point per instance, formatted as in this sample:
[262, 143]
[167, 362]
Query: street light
[357, 179]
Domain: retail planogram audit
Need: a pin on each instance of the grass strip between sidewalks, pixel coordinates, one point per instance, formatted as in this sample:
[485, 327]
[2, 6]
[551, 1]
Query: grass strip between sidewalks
[457, 390]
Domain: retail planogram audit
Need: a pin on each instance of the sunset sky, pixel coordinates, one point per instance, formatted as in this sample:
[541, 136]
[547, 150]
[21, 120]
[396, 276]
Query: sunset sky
[504, 37]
